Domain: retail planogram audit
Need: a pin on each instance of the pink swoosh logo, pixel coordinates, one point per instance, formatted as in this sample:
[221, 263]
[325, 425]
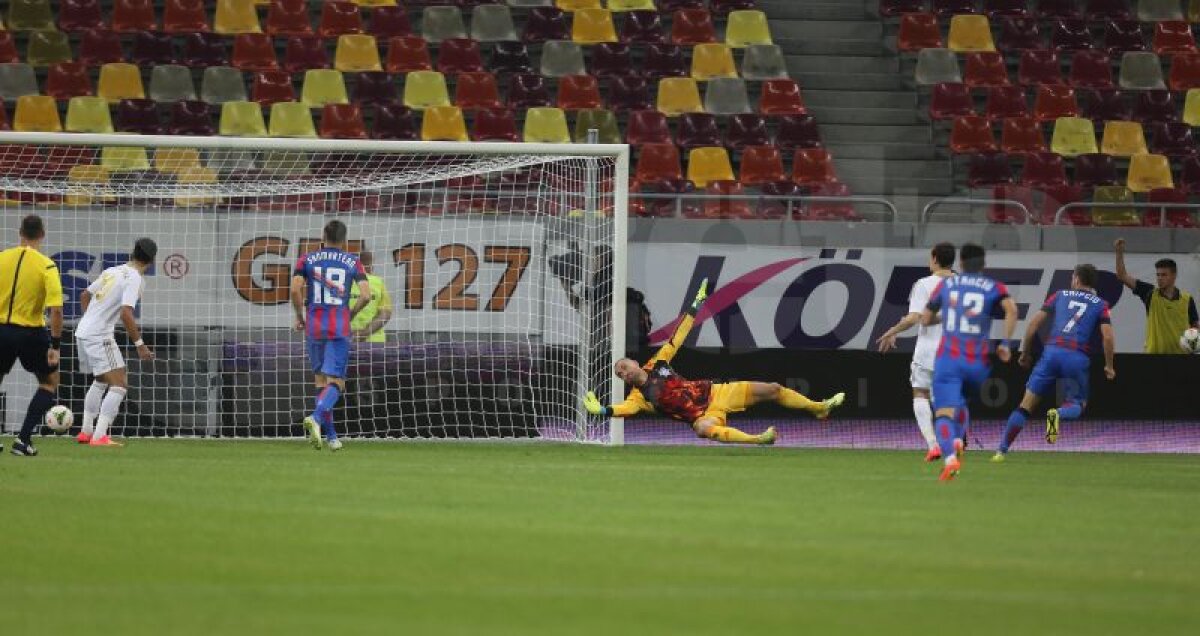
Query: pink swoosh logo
[728, 295]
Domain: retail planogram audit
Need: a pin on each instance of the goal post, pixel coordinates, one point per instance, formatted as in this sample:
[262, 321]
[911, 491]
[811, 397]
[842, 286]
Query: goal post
[505, 266]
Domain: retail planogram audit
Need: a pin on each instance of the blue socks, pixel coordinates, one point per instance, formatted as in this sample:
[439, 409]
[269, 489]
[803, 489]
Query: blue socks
[323, 414]
[947, 432]
[1016, 422]
[1070, 411]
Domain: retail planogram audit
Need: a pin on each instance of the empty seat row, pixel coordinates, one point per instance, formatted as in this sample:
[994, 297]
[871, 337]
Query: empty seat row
[760, 165]
[1052, 198]
[950, 100]
[1072, 136]
[1044, 170]
[1146, 10]
[970, 33]
[1089, 69]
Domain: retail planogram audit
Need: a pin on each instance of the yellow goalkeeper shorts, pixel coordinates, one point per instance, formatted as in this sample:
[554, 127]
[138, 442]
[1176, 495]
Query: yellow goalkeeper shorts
[726, 398]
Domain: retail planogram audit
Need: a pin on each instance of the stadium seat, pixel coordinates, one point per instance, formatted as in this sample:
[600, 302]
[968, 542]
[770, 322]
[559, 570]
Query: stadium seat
[200, 175]
[407, 54]
[697, 130]
[443, 123]
[950, 100]
[378, 4]
[8, 48]
[1096, 169]
[203, 49]
[1175, 217]
[242, 119]
[1191, 107]
[17, 80]
[692, 26]
[1185, 72]
[763, 62]
[1073, 136]
[951, 8]
[988, 169]
[579, 92]
[728, 205]
[1104, 105]
[778, 97]
[1059, 195]
[271, 87]
[46, 48]
[1005, 8]
[985, 70]
[339, 18]
[1141, 71]
[132, 16]
[612, 59]
[1189, 174]
[184, 16]
[288, 17]
[120, 81]
[324, 86]
[643, 27]
[577, 5]
[562, 58]
[1091, 69]
[1155, 106]
[36, 113]
[746, 28]
[631, 5]
[425, 89]
[1053, 102]
[527, 90]
[492, 23]
[510, 57]
[79, 15]
[708, 164]
[88, 115]
[812, 167]
[1159, 10]
[357, 53]
[728, 96]
[498, 124]
[937, 66]
[30, 15]
[745, 130]
[459, 55]
[191, 118]
[674, 5]
[1173, 139]
[894, 8]
[442, 23]
[1044, 170]
[374, 88]
[1070, 35]
[1097, 10]
[1004, 102]
[1065, 9]
[236, 16]
[1022, 135]
[1172, 37]
[678, 95]
[390, 22]
[173, 160]
[629, 93]
[546, 126]
[761, 165]
[1123, 139]
[657, 163]
[171, 83]
[710, 61]
[593, 26]
[221, 84]
[1019, 34]
[97, 47]
[1038, 67]
[919, 31]
[651, 127]
[138, 116]
[124, 158]
[1114, 216]
[544, 24]
[253, 52]
[152, 49]
[972, 134]
[291, 119]
[664, 60]
[604, 122]
[797, 131]
[1120, 37]
[478, 90]
[66, 80]
[394, 120]
[970, 34]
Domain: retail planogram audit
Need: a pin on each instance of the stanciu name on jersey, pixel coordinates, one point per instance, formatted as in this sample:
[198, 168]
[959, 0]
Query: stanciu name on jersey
[975, 280]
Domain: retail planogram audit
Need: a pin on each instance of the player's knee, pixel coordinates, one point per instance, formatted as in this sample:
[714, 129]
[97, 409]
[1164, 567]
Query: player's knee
[702, 428]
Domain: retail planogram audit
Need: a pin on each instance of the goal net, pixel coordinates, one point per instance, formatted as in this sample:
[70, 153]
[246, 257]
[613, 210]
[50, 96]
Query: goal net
[504, 265]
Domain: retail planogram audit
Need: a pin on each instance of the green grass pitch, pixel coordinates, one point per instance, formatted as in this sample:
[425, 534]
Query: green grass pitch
[188, 537]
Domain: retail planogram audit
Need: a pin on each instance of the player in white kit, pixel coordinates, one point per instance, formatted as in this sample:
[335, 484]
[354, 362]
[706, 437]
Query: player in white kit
[941, 262]
[113, 296]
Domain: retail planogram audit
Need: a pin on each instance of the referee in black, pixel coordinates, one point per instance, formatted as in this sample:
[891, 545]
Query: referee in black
[29, 285]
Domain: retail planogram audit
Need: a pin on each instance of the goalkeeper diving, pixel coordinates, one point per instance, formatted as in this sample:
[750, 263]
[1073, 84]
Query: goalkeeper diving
[704, 404]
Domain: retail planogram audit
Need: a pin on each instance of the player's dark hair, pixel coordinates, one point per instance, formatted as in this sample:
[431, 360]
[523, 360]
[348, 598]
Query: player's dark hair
[970, 258]
[943, 255]
[1166, 263]
[33, 228]
[144, 250]
[335, 232]
[366, 258]
[1087, 275]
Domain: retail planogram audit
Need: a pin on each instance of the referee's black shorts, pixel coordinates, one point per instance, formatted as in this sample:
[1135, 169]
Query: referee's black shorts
[27, 344]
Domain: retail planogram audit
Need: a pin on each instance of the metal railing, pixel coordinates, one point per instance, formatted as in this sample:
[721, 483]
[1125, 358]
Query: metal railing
[936, 203]
[788, 200]
[1162, 207]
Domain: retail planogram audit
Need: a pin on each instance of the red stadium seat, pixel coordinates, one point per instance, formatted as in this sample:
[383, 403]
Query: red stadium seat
[1157, 106]
[1097, 10]
[1022, 135]
[761, 165]
[459, 55]
[203, 49]
[8, 49]
[1104, 105]
[643, 26]
[1173, 37]
[919, 31]
[893, 8]
[1175, 217]
[304, 52]
[1004, 102]
[269, 86]
[407, 54]
[611, 59]
[781, 97]
[692, 26]
[389, 22]
[1091, 69]
[191, 118]
[813, 167]
[1053, 102]
[1007, 214]
[254, 52]
[394, 120]
[825, 211]
[1018, 34]
[184, 16]
[797, 131]
[1039, 67]
[79, 15]
[1120, 37]
[726, 207]
[1173, 139]
[722, 8]
[1060, 195]
[1093, 169]
[630, 93]
[138, 116]
[342, 121]
[579, 92]
[972, 134]
[339, 17]
[950, 100]
[510, 57]
[478, 90]
[98, 47]
[546, 23]
[1070, 35]
[746, 129]
[131, 16]
[1005, 8]
[985, 70]
[374, 88]
[658, 162]
[1185, 72]
[527, 91]
[68, 79]
[698, 130]
[664, 60]
[288, 17]
[497, 124]
[988, 169]
[673, 5]
[648, 127]
[152, 49]
[949, 8]
[1058, 9]
[1189, 174]
[1044, 170]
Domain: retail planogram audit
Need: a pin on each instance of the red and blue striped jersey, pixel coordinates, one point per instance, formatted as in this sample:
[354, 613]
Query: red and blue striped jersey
[966, 302]
[1077, 317]
[330, 274]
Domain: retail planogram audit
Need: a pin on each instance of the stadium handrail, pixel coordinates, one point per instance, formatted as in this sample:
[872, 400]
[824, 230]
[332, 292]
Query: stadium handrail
[802, 198]
[1160, 205]
[934, 204]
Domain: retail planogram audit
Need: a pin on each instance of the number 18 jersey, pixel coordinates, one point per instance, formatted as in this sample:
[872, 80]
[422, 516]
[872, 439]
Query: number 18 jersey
[330, 273]
[966, 302]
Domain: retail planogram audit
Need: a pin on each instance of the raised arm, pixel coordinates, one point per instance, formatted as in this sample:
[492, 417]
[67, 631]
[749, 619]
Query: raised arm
[669, 349]
[1122, 273]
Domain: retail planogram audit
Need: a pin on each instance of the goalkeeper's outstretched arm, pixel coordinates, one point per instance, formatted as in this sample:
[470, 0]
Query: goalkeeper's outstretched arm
[682, 330]
[634, 404]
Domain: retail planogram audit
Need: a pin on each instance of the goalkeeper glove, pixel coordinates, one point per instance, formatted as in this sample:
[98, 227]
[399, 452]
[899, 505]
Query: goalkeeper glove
[593, 406]
[701, 294]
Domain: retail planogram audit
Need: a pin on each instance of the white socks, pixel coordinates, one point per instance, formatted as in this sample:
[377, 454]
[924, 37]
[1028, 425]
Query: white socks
[924, 413]
[109, 409]
[91, 405]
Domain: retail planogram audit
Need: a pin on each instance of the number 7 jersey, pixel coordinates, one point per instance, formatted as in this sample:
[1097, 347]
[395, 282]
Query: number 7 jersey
[1077, 317]
[966, 303]
[330, 273]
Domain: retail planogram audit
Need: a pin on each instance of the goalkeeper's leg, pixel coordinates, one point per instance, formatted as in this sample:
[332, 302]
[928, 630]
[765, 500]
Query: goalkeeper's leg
[713, 428]
[783, 396]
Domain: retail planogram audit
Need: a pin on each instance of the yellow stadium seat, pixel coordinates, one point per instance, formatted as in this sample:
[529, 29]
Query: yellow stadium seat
[375, 3]
[546, 126]
[631, 5]
[88, 115]
[592, 26]
[82, 182]
[357, 53]
[1073, 136]
[118, 81]
[443, 123]
[287, 163]
[708, 164]
[242, 119]
[1191, 108]
[323, 86]
[1114, 216]
[291, 119]
[47, 48]
[36, 113]
[604, 122]
[193, 176]
[425, 89]
[746, 27]
[969, 34]
[1123, 139]
[678, 95]
[1147, 172]
[236, 16]
[576, 5]
[174, 160]
[124, 158]
[710, 61]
